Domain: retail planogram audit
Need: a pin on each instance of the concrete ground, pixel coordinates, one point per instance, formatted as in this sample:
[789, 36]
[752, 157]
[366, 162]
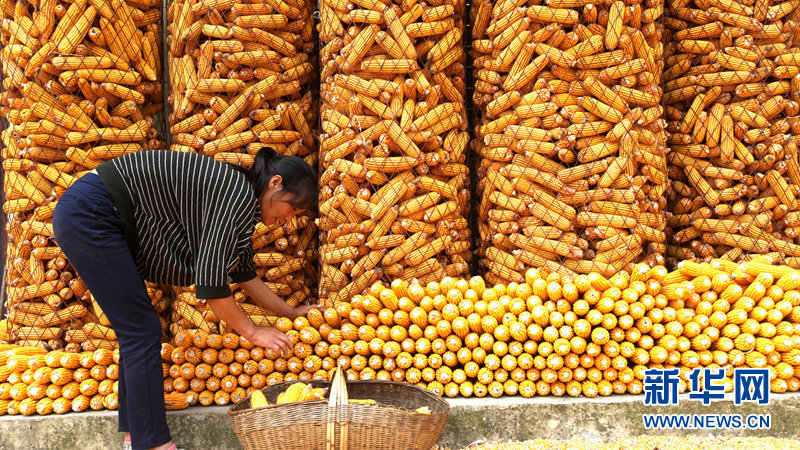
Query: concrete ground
[471, 420]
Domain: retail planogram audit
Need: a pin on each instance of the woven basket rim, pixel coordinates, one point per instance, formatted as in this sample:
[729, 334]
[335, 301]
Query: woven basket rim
[310, 403]
[391, 424]
[271, 405]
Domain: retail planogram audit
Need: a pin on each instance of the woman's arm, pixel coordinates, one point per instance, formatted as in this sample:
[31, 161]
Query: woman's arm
[226, 309]
[263, 295]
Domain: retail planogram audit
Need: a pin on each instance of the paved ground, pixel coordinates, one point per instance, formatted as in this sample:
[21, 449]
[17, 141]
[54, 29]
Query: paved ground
[471, 420]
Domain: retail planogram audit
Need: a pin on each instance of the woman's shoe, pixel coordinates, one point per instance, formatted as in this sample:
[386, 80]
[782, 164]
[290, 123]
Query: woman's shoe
[126, 445]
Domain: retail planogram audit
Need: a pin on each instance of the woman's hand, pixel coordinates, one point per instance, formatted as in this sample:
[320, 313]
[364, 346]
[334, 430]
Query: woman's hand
[272, 338]
[302, 310]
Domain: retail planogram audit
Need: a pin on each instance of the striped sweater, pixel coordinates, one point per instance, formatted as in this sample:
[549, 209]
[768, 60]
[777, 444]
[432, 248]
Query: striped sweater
[188, 218]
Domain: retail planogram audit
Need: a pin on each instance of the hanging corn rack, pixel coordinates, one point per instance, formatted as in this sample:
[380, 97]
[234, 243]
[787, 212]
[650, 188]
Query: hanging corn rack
[570, 139]
[732, 99]
[243, 76]
[394, 184]
[82, 84]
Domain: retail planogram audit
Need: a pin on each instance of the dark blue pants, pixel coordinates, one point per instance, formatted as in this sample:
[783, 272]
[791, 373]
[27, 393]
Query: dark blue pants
[91, 232]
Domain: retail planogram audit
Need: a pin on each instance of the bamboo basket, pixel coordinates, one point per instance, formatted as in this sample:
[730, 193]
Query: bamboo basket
[304, 425]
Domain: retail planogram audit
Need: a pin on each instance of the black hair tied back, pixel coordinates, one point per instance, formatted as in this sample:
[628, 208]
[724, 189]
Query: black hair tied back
[298, 177]
[263, 159]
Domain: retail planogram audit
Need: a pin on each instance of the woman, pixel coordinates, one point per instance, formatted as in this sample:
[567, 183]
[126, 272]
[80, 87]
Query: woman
[180, 219]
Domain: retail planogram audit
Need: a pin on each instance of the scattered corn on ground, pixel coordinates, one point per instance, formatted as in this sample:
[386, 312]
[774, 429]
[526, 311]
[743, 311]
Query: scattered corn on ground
[648, 443]
[590, 336]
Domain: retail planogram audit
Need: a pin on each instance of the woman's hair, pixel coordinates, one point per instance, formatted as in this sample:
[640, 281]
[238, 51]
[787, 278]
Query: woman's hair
[298, 177]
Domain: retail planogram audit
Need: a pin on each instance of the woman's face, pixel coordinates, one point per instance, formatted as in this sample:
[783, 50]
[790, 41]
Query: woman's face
[275, 205]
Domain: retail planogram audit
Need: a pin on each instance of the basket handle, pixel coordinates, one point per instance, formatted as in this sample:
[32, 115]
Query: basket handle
[338, 397]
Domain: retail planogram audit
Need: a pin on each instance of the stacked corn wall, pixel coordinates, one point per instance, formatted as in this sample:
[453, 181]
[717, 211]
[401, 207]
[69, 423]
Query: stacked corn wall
[215, 368]
[81, 85]
[570, 139]
[731, 96]
[394, 184]
[548, 335]
[241, 78]
[40, 382]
